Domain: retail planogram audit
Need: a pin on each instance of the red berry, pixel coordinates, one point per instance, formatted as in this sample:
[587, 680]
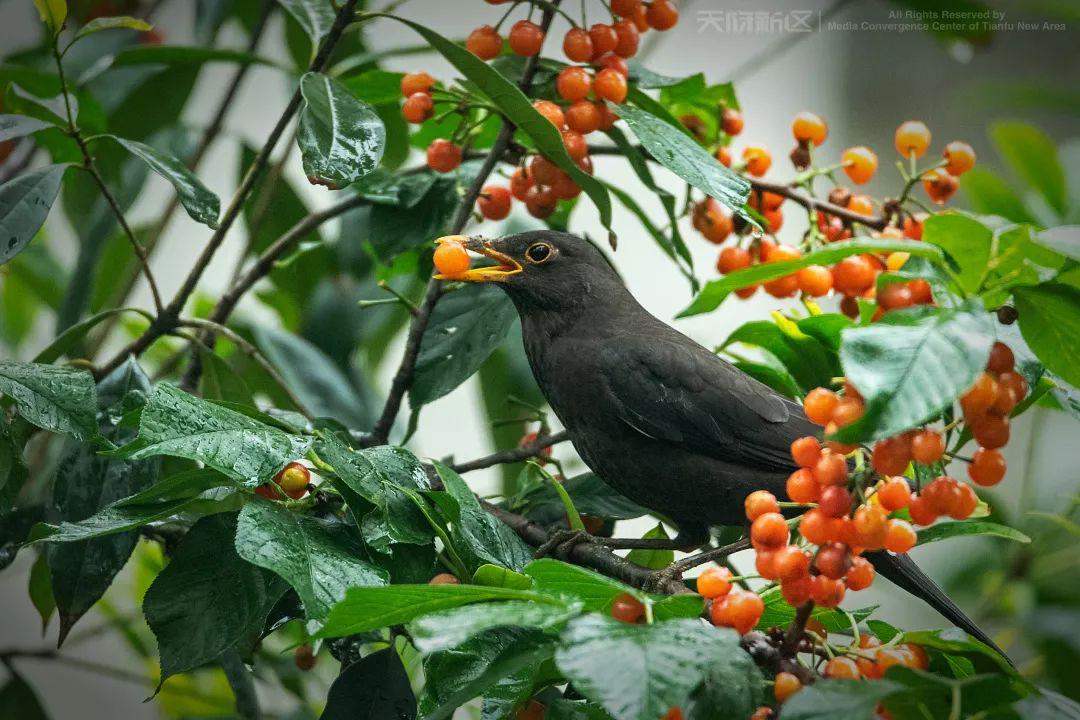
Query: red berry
[551, 111]
[961, 158]
[733, 258]
[610, 85]
[575, 144]
[991, 431]
[814, 526]
[628, 38]
[526, 38]
[922, 512]
[939, 186]
[520, 182]
[833, 560]
[802, 487]
[714, 581]
[927, 446]
[604, 39]
[835, 501]
[494, 202]
[987, 467]
[419, 82]
[1001, 359]
[861, 574]
[418, 107]
[853, 275]
[731, 121]
[443, 156]
[894, 494]
[819, 405]
[484, 42]
[614, 62]
[627, 608]
[791, 563]
[739, 609]
[573, 83]
[583, 117]
[796, 592]
[806, 451]
[826, 592]
[578, 46]
[830, 469]
[662, 15]
[541, 202]
[625, 8]
[891, 455]
[769, 531]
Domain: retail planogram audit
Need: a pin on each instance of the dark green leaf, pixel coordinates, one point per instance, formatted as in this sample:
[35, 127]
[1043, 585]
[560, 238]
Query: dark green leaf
[1050, 323]
[109, 23]
[182, 56]
[945, 530]
[956, 641]
[418, 219]
[808, 361]
[638, 672]
[314, 16]
[57, 399]
[466, 326]
[685, 157]
[732, 689]
[1033, 157]
[375, 86]
[25, 201]
[779, 614]
[40, 590]
[181, 425]
[519, 110]
[831, 699]
[341, 138]
[653, 559]
[715, 291]
[201, 204]
[445, 629]
[208, 600]
[18, 701]
[17, 126]
[320, 559]
[372, 608]
[912, 364]
[71, 337]
[968, 243]
[376, 687]
[596, 591]
[480, 534]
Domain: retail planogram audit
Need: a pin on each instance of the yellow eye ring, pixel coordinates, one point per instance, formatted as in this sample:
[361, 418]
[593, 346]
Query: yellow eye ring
[539, 253]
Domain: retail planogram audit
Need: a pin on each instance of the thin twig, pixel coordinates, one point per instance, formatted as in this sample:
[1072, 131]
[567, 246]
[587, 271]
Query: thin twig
[518, 454]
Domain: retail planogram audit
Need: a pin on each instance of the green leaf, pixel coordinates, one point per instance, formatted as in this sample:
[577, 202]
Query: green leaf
[496, 576]
[17, 126]
[424, 211]
[39, 588]
[912, 364]
[1033, 157]
[373, 688]
[319, 558]
[1064, 240]
[779, 614]
[57, 399]
[686, 158]
[109, 23]
[375, 86]
[53, 13]
[479, 533]
[990, 195]
[71, 337]
[831, 699]
[638, 672]
[25, 201]
[596, 591]
[201, 204]
[208, 600]
[715, 291]
[1049, 322]
[314, 16]
[18, 701]
[341, 138]
[732, 689]
[808, 361]
[445, 629]
[956, 641]
[181, 425]
[180, 56]
[465, 327]
[372, 608]
[945, 530]
[968, 243]
[519, 110]
[653, 559]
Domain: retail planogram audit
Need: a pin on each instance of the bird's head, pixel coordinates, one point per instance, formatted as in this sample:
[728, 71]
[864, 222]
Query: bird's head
[543, 269]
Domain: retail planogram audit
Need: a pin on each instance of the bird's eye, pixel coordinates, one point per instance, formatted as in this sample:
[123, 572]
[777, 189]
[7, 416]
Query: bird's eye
[538, 252]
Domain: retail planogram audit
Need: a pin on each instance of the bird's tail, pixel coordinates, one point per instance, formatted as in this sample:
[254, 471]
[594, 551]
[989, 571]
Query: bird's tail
[902, 571]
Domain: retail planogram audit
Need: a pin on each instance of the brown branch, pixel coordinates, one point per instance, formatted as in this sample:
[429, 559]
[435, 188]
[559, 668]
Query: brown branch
[518, 454]
[798, 627]
[380, 433]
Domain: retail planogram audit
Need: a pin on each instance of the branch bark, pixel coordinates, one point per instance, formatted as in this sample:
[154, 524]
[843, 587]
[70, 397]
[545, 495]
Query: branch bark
[504, 457]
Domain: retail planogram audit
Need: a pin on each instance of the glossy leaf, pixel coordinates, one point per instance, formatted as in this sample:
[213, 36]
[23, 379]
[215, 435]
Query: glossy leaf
[201, 204]
[968, 243]
[341, 138]
[716, 291]
[39, 588]
[912, 364]
[314, 16]
[17, 126]
[685, 157]
[181, 425]
[445, 629]
[372, 608]
[110, 23]
[1049, 322]
[57, 399]
[52, 13]
[519, 110]
[25, 201]
[319, 558]
[373, 688]
[638, 672]
[465, 327]
[945, 530]
[653, 559]
[956, 641]
[18, 701]
[423, 212]
[208, 600]
[496, 576]
[830, 699]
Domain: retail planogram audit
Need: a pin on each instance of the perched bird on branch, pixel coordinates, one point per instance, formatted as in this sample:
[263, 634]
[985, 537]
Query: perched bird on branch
[657, 416]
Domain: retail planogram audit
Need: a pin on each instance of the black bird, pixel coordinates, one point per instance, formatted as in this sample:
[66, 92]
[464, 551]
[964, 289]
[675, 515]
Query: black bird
[657, 416]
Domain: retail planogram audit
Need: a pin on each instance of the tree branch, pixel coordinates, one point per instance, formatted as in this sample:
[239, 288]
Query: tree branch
[518, 454]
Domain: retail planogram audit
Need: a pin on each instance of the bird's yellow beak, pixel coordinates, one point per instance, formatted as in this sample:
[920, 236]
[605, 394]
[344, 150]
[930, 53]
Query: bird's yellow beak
[493, 273]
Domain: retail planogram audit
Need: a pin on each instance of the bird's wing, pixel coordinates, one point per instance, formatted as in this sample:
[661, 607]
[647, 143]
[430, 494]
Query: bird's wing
[679, 392]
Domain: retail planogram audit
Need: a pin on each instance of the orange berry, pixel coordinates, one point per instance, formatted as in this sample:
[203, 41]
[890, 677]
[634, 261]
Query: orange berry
[826, 592]
[1004, 401]
[551, 111]
[961, 158]
[939, 186]
[565, 188]
[577, 45]
[444, 579]
[293, 479]
[841, 668]
[573, 83]
[628, 38]
[418, 107]
[785, 685]
[900, 536]
[912, 137]
[713, 582]
[662, 15]
[791, 563]
[814, 526]
[796, 592]
[543, 171]
[526, 38]
[604, 39]
[927, 446]
[610, 85]
[574, 142]
[853, 275]
[583, 117]
[943, 494]
[861, 204]
[451, 259]
[739, 609]
[819, 405]
[757, 159]
[733, 258]
[979, 397]
[848, 410]
[891, 455]
[835, 501]
[1015, 381]
[894, 494]
[806, 451]
[815, 280]
[774, 220]
[484, 42]
[614, 62]
[860, 163]
[769, 531]
[808, 127]
[861, 575]
[627, 608]
[922, 512]
[894, 295]
[675, 713]
[833, 560]
[520, 182]
[443, 156]
[419, 82]
[765, 563]
[990, 431]
[802, 487]
[731, 121]
[494, 202]
[987, 467]
[760, 502]
[966, 504]
[1001, 359]
[830, 469]
[871, 527]
[625, 8]
[723, 154]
